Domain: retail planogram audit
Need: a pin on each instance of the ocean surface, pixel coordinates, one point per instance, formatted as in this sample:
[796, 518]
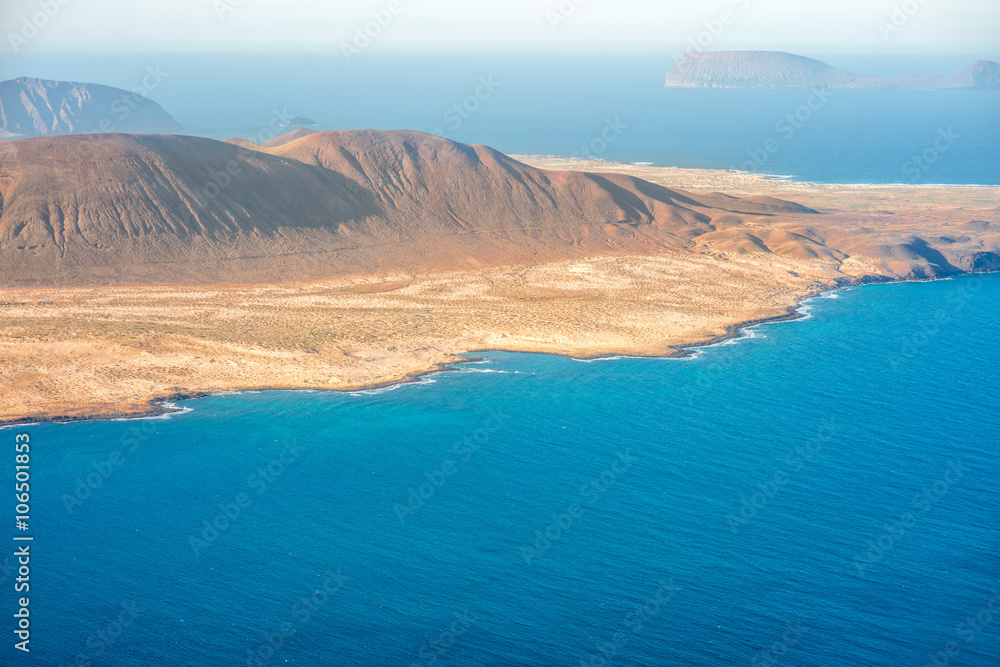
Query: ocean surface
[821, 492]
[612, 107]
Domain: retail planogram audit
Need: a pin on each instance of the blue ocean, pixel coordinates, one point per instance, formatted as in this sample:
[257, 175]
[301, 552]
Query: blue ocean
[612, 107]
[821, 492]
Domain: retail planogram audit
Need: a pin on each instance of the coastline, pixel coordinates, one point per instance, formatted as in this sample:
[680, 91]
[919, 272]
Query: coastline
[757, 179]
[97, 353]
[157, 406]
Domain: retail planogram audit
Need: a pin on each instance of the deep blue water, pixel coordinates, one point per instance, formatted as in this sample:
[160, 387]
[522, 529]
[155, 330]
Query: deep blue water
[874, 420]
[561, 105]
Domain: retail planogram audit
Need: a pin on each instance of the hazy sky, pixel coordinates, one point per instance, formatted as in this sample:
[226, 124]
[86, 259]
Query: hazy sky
[665, 26]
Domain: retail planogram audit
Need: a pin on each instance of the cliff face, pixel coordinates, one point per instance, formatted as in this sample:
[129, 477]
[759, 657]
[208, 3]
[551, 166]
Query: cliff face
[773, 69]
[38, 107]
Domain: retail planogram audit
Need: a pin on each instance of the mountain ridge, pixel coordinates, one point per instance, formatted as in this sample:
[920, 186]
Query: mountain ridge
[120, 208]
[116, 209]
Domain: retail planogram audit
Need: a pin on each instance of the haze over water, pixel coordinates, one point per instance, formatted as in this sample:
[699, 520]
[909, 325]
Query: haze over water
[562, 105]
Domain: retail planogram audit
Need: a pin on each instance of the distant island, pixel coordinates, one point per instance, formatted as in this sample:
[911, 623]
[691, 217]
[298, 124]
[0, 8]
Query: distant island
[39, 107]
[299, 121]
[775, 69]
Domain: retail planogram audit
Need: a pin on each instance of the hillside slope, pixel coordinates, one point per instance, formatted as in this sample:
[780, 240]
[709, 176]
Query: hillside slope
[113, 209]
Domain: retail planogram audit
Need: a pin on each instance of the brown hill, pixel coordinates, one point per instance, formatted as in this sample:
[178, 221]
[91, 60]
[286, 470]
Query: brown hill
[291, 135]
[154, 209]
[113, 209]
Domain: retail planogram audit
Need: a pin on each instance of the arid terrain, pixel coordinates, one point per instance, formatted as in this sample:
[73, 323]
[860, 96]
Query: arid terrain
[108, 351]
[640, 288]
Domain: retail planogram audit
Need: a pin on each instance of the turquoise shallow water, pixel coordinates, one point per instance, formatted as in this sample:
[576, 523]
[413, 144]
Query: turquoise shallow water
[822, 493]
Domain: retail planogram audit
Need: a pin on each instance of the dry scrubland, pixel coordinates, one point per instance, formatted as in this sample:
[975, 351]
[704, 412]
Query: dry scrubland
[84, 352]
[87, 352]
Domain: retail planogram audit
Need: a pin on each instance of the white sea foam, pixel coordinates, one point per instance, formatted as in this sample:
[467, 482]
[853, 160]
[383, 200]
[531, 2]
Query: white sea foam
[590, 361]
[173, 408]
[24, 425]
[392, 387]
